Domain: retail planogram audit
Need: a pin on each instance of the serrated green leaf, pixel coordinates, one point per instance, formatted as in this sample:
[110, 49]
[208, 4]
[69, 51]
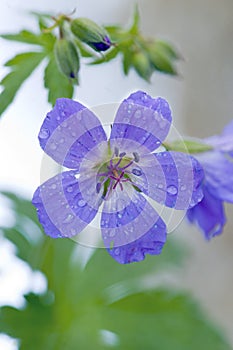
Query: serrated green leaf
[43, 39]
[56, 83]
[110, 55]
[44, 19]
[22, 66]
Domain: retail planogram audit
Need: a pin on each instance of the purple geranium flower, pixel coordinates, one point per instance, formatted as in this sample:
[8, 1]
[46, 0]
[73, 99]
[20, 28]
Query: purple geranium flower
[218, 184]
[114, 175]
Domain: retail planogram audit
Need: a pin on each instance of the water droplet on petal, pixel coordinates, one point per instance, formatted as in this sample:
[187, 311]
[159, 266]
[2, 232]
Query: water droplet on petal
[44, 133]
[81, 203]
[62, 140]
[183, 187]
[172, 190]
[117, 251]
[53, 146]
[126, 120]
[119, 215]
[73, 231]
[69, 189]
[112, 233]
[138, 114]
[68, 219]
[160, 186]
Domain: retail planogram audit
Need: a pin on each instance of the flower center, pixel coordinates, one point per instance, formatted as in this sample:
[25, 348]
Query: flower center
[116, 172]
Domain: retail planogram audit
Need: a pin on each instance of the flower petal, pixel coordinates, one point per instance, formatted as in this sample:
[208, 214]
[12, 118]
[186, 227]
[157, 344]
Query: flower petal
[209, 215]
[143, 119]
[218, 174]
[170, 178]
[69, 132]
[63, 209]
[131, 227]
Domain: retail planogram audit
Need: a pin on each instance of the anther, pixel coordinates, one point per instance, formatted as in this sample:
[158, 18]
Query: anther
[136, 157]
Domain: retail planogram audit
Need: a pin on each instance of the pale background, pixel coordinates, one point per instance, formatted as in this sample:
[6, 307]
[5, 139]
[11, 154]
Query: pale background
[201, 101]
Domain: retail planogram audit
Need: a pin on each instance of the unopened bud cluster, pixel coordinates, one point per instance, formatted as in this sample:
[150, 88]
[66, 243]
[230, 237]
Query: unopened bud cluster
[66, 48]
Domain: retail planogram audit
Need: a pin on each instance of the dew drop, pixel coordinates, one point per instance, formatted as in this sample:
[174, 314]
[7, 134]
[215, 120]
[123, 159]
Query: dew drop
[62, 140]
[73, 231]
[126, 120]
[81, 203]
[44, 133]
[112, 233]
[119, 215]
[160, 186]
[183, 187]
[68, 219]
[53, 146]
[69, 189]
[172, 190]
[117, 251]
[53, 186]
[138, 114]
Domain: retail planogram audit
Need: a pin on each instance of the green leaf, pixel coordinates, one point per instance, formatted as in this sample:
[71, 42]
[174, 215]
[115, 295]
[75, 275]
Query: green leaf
[106, 57]
[56, 83]
[162, 320]
[43, 39]
[188, 146]
[22, 66]
[81, 302]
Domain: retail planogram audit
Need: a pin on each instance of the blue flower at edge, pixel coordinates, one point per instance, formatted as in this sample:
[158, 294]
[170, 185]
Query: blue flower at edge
[218, 184]
[114, 175]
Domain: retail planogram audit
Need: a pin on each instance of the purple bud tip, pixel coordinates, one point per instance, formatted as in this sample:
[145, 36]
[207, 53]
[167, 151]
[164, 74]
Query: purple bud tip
[102, 46]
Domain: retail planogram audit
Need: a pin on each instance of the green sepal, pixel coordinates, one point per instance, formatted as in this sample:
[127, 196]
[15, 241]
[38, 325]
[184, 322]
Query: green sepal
[188, 146]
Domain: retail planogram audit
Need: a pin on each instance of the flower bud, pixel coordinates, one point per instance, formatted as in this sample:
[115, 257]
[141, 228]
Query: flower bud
[142, 64]
[91, 33]
[160, 59]
[67, 58]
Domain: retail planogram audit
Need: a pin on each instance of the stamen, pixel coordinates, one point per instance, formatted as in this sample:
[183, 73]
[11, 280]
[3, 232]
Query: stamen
[126, 166]
[116, 175]
[136, 157]
[122, 154]
[137, 172]
[116, 151]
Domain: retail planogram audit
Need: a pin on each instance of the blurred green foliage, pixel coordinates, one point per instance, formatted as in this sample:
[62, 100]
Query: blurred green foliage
[101, 304]
[142, 54]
